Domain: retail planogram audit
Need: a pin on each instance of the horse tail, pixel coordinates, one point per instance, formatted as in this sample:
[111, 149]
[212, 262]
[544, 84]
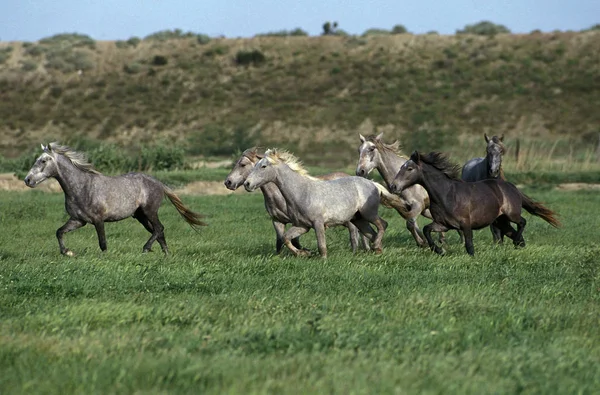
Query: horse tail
[192, 218]
[538, 209]
[390, 200]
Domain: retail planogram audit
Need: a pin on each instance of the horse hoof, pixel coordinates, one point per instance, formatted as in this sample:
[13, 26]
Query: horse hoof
[69, 253]
[378, 251]
[303, 253]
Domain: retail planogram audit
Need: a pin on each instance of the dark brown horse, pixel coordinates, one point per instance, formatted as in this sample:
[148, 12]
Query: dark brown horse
[468, 206]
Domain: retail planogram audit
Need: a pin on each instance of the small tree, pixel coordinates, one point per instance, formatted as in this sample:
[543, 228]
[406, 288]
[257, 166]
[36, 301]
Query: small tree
[484, 28]
[330, 29]
[399, 29]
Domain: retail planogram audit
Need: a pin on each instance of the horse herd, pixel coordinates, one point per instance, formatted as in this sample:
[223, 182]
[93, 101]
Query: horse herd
[424, 184]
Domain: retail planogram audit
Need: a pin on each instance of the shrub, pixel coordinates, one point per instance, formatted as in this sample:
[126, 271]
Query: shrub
[64, 40]
[375, 32]
[164, 35]
[133, 68]
[399, 29]
[160, 60]
[35, 50]
[133, 41]
[484, 28]
[161, 157]
[217, 50]
[202, 39]
[284, 33]
[67, 61]
[28, 65]
[591, 28]
[246, 58]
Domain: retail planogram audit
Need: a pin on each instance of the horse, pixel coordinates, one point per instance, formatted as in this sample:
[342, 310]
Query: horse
[320, 204]
[93, 198]
[468, 206]
[274, 201]
[488, 167]
[387, 159]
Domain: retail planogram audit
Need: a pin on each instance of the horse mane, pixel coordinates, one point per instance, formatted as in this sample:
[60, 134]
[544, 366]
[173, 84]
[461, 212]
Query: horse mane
[274, 156]
[254, 154]
[496, 140]
[381, 146]
[441, 162]
[78, 159]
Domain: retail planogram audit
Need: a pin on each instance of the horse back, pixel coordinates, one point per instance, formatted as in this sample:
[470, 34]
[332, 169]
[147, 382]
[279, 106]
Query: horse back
[474, 170]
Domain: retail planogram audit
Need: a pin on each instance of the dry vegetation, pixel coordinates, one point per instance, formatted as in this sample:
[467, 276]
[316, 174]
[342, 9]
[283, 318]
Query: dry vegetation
[309, 94]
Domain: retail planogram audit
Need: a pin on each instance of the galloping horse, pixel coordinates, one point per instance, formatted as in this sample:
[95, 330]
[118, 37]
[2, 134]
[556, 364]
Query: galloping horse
[456, 204]
[274, 201]
[91, 197]
[319, 204]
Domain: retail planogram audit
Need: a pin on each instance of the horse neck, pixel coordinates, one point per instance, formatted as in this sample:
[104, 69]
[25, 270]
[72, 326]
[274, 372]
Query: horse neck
[437, 184]
[390, 165]
[290, 183]
[70, 178]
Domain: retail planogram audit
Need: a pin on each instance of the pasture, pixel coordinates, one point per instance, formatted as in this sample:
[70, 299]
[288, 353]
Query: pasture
[222, 314]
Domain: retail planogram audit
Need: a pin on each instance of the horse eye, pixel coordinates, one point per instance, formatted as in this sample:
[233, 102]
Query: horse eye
[242, 165]
[263, 166]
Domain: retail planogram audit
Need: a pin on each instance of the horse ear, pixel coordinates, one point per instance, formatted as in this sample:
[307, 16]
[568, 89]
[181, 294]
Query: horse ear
[362, 138]
[487, 140]
[45, 148]
[416, 157]
[502, 137]
[379, 136]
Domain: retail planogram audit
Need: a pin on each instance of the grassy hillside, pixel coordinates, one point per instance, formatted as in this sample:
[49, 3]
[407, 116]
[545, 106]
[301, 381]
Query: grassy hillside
[310, 94]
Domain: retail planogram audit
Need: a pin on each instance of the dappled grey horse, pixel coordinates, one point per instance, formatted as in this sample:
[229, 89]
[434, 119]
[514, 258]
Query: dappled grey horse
[488, 167]
[386, 158]
[320, 204]
[274, 201]
[91, 197]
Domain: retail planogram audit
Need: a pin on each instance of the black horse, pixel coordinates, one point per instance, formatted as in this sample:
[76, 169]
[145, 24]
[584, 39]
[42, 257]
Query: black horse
[467, 206]
[91, 197]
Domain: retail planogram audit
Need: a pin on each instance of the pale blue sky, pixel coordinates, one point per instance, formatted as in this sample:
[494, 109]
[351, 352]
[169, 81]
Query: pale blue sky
[30, 20]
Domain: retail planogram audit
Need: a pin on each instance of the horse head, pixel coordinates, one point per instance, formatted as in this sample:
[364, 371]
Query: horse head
[243, 167]
[43, 168]
[494, 151]
[369, 156]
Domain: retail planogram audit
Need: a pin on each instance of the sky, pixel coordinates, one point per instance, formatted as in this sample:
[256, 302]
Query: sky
[31, 20]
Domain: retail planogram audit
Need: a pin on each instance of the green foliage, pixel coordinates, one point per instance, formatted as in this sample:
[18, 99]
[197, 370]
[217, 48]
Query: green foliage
[247, 58]
[217, 50]
[484, 28]
[5, 54]
[159, 60]
[592, 28]
[222, 315]
[399, 29]
[67, 61]
[133, 41]
[28, 65]
[68, 40]
[164, 35]
[35, 50]
[203, 39]
[376, 32]
[284, 33]
[133, 68]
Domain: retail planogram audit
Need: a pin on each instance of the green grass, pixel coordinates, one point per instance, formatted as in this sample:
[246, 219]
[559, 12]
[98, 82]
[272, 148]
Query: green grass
[222, 314]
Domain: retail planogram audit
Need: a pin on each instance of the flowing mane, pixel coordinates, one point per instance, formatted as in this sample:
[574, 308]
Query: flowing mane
[78, 159]
[254, 154]
[441, 162]
[381, 146]
[274, 155]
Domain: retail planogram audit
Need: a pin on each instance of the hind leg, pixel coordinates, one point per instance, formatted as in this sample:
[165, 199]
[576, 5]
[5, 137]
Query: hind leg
[292, 233]
[434, 227]
[519, 241]
[153, 225]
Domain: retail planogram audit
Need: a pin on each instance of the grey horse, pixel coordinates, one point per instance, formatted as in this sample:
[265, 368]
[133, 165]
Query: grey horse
[386, 158]
[319, 204]
[274, 201]
[488, 167]
[91, 197]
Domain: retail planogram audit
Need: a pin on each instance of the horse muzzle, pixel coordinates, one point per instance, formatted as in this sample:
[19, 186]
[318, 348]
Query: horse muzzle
[29, 182]
[230, 185]
[249, 187]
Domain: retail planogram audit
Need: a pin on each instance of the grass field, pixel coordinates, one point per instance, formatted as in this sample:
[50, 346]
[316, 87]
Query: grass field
[222, 314]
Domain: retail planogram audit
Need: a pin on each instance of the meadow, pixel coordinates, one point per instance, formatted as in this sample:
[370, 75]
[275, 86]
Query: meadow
[222, 314]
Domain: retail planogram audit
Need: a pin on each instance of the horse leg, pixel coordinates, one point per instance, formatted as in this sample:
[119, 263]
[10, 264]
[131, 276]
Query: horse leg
[143, 219]
[157, 232]
[434, 227]
[519, 241]
[413, 228]
[468, 233]
[497, 235]
[101, 236]
[69, 226]
[292, 233]
[279, 230]
[381, 225]
[321, 242]
[354, 236]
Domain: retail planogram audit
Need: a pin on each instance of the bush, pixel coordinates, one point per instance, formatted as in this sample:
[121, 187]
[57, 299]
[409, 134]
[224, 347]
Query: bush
[160, 60]
[28, 65]
[217, 50]
[67, 61]
[161, 157]
[246, 58]
[202, 39]
[134, 41]
[284, 33]
[484, 28]
[64, 40]
[133, 68]
[164, 35]
[591, 28]
[399, 29]
[375, 32]
[35, 50]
